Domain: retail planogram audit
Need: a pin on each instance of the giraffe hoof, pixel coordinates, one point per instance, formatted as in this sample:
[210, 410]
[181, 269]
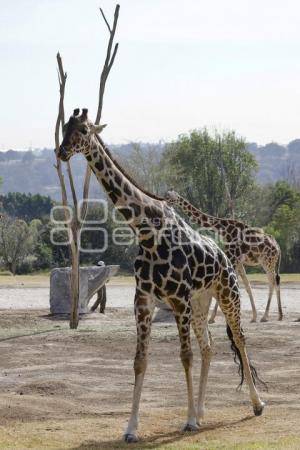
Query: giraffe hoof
[211, 321]
[191, 428]
[258, 409]
[263, 319]
[280, 318]
[130, 438]
[253, 320]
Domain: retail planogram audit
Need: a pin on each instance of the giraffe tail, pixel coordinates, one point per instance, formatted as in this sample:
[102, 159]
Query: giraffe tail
[237, 357]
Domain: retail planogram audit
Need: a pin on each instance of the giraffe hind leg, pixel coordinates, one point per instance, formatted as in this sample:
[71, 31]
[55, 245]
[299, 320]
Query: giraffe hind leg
[230, 305]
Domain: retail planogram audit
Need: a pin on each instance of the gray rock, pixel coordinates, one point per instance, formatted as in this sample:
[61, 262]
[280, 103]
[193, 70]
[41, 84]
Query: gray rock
[163, 313]
[91, 279]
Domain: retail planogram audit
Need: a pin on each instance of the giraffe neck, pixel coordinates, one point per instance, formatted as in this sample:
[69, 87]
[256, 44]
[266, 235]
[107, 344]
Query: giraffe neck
[228, 228]
[139, 208]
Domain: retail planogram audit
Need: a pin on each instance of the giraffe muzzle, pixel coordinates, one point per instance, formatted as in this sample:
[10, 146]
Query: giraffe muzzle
[63, 154]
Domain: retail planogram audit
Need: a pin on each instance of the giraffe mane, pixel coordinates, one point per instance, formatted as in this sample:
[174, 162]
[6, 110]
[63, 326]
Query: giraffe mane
[123, 171]
[175, 196]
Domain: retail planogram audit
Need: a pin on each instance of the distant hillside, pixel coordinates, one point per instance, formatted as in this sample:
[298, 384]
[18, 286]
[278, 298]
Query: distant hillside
[34, 172]
[277, 162]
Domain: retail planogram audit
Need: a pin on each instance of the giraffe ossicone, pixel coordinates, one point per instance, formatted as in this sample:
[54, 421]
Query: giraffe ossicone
[175, 265]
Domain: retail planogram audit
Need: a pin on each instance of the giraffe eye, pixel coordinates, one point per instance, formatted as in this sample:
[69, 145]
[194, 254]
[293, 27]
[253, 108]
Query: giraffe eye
[84, 131]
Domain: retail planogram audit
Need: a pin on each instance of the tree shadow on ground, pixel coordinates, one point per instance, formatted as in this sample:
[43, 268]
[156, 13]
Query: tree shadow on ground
[157, 440]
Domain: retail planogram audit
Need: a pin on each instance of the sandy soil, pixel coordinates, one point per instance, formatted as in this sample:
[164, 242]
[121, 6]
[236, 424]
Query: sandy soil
[122, 295]
[63, 389]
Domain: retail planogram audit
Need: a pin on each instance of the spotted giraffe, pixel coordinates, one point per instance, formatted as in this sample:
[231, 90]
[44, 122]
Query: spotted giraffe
[244, 245]
[174, 265]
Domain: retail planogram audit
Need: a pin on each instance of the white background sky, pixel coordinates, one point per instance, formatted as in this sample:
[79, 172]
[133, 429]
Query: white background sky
[181, 65]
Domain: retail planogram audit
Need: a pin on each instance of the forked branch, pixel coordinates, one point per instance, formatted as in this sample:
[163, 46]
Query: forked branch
[109, 60]
[60, 121]
[75, 225]
[108, 63]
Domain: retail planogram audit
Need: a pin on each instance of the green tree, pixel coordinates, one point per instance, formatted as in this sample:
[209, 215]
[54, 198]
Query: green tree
[200, 165]
[282, 220]
[285, 227]
[26, 206]
[16, 242]
[282, 194]
[41, 247]
[144, 164]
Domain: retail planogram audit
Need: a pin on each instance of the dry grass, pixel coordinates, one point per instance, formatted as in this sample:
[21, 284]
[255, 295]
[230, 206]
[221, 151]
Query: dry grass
[35, 280]
[86, 434]
[285, 278]
[42, 279]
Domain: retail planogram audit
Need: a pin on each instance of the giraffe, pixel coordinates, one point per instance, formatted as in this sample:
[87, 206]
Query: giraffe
[244, 245]
[174, 264]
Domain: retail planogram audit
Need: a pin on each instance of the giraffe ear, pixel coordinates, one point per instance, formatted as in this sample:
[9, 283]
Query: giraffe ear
[97, 128]
[84, 113]
[171, 194]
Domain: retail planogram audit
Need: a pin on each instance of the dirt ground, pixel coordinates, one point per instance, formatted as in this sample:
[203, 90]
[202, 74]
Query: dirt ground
[63, 389]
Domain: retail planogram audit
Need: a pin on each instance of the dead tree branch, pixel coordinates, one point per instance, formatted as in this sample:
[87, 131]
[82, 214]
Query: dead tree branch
[62, 78]
[71, 227]
[76, 224]
[108, 63]
[105, 20]
[109, 60]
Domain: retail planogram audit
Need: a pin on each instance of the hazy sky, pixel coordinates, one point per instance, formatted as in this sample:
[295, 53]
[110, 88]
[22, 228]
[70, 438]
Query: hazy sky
[181, 65]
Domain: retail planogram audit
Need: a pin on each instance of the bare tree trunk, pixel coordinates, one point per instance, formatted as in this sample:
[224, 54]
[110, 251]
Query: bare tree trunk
[74, 227]
[75, 274]
[109, 60]
[72, 231]
[12, 267]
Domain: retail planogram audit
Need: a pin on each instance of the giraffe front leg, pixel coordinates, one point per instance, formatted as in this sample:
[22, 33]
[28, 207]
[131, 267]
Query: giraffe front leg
[242, 273]
[200, 307]
[183, 314]
[271, 278]
[143, 308]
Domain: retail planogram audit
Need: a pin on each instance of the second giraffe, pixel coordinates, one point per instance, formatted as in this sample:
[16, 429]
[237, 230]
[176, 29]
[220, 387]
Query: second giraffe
[244, 245]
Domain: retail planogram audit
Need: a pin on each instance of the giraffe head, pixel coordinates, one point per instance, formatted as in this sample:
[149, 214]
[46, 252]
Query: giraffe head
[172, 197]
[78, 133]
